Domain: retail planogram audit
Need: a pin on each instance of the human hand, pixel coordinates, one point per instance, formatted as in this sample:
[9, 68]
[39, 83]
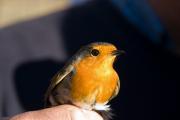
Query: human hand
[62, 112]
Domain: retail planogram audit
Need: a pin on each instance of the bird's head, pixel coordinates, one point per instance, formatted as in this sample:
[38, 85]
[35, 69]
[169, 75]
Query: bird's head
[97, 54]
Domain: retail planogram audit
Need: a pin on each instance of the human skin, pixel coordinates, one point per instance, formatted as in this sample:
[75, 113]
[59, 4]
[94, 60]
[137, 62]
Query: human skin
[62, 112]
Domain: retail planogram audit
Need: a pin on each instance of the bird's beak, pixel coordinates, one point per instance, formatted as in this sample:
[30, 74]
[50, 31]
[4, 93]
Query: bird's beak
[118, 52]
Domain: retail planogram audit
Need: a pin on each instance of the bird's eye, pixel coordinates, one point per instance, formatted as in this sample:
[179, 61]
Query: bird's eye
[95, 52]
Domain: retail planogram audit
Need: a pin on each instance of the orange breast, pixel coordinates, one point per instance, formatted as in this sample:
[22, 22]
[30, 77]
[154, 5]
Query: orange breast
[89, 84]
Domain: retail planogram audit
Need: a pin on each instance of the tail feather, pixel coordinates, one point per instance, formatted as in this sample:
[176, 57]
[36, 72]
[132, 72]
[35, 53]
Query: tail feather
[106, 115]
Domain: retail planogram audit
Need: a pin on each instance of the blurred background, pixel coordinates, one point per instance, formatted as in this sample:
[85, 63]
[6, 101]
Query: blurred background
[14, 11]
[37, 37]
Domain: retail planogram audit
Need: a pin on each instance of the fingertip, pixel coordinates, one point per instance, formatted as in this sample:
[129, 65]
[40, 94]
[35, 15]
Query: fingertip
[77, 113]
[82, 114]
[92, 115]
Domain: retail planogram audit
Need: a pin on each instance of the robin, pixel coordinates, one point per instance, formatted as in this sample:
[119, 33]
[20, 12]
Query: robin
[88, 80]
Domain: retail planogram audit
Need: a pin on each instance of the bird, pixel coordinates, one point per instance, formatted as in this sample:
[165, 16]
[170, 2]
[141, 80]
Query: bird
[88, 80]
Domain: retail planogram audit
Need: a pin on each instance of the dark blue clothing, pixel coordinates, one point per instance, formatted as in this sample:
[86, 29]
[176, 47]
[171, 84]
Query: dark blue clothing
[142, 15]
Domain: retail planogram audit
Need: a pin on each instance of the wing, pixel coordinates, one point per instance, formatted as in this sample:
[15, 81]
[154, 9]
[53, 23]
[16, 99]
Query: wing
[61, 75]
[116, 91]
